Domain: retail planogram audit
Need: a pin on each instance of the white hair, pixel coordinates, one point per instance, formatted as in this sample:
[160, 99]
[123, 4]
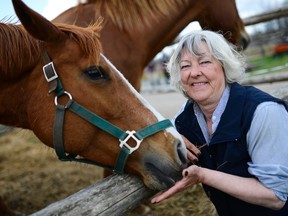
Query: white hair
[233, 62]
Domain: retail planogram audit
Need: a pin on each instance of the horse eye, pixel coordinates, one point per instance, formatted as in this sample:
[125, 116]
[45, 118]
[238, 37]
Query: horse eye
[96, 73]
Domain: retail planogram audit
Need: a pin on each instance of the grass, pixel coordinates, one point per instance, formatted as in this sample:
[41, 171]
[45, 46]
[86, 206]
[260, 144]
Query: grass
[268, 64]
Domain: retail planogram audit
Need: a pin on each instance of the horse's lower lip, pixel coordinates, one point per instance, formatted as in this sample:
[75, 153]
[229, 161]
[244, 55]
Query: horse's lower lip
[161, 176]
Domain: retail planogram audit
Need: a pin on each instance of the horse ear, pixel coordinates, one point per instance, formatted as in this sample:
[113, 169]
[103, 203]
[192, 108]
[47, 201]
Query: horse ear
[38, 26]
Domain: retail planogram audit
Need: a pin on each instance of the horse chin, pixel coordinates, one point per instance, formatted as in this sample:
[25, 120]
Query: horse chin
[244, 40]
[159, 178]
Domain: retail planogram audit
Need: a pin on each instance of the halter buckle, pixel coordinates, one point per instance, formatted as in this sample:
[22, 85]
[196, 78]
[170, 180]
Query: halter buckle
[50, 72]
[130, 135]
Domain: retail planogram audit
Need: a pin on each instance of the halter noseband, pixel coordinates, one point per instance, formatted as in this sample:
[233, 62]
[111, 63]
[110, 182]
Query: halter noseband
[123, 136]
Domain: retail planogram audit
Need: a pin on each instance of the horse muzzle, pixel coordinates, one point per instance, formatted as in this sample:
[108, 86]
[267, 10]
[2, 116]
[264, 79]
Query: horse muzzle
[163, 172]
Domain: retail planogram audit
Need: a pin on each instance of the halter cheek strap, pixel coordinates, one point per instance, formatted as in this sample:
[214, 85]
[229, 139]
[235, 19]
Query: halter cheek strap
[123, 136]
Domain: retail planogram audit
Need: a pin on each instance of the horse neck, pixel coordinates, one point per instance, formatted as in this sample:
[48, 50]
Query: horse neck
[140, 45]
[158, 33]
[163, 32]
[16, 66]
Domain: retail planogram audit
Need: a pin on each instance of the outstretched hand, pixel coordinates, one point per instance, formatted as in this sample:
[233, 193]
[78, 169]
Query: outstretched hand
[191, 176]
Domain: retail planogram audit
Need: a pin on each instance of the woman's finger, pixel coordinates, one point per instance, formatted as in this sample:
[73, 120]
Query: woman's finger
[192, 148]
[191, 157]
[166, 194]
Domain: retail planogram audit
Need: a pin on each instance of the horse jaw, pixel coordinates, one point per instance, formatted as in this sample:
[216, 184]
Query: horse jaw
[245, 39]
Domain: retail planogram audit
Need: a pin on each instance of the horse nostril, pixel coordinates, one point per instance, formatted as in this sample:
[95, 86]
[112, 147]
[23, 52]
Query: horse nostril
[182, 152]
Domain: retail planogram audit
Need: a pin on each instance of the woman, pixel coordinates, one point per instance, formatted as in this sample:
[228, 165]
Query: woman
[237, 135]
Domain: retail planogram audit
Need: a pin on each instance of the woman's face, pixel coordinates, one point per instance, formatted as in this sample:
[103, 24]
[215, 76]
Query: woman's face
[202, 77]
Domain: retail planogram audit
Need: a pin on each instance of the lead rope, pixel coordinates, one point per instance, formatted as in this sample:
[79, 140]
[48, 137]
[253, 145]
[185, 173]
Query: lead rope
[125, 150]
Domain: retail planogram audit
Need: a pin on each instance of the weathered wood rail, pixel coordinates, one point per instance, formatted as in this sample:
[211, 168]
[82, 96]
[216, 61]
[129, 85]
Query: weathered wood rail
[268, 78]
[271, 78]
[111, 196]
[266, 16]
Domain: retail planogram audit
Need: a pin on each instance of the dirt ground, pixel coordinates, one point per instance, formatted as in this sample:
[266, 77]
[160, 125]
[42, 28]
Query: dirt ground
[31, 176]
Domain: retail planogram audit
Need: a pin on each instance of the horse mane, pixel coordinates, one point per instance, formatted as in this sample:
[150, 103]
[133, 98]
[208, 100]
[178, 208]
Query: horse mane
[15, 43]
[128, 14]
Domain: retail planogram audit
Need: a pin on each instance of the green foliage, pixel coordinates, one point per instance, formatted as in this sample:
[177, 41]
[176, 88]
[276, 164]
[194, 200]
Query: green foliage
[268, 64]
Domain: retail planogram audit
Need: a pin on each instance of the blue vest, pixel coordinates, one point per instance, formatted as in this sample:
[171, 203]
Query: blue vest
[227, 150]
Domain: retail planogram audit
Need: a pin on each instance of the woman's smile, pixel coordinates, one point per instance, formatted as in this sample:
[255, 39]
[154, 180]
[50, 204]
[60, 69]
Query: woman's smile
[199, 83]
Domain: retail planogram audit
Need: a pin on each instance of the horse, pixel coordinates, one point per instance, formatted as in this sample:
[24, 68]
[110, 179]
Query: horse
[56, 81]
[135, 31]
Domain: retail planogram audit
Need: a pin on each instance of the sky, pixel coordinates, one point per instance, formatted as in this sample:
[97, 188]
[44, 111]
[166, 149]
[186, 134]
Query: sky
[51, 8]
[48, 8]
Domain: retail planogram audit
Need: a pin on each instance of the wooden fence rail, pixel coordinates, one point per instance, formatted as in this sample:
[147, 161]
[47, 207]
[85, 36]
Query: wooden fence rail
[266, 16]
[111, 196]
[268, 78]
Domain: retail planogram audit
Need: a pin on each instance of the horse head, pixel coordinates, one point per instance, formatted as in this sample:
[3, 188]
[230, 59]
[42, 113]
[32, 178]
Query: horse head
[95, 106]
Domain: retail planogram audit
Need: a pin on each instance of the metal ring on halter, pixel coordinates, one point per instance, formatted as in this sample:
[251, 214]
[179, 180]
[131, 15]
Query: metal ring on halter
[69, 101]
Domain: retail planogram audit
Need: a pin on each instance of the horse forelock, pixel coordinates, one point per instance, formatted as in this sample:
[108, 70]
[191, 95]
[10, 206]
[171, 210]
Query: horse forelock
[15, 43]
[19, 49]
[128, 14]
[87, 38]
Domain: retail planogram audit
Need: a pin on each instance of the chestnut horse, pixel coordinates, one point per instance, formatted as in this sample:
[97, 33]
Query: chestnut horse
[48, 72]
[135, 31]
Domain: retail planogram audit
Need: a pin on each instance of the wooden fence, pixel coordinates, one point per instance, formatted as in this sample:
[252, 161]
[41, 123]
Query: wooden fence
[112, 196]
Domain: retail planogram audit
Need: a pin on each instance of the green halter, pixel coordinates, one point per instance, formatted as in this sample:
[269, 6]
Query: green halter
[123, 136]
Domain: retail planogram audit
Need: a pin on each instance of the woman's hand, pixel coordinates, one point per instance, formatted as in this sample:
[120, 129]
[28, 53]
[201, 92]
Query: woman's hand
[191, 176]
[247, 189]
